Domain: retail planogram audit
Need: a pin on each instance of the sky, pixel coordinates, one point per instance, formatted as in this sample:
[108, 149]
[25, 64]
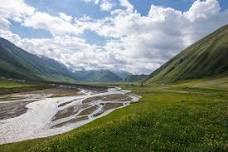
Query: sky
[137, 36]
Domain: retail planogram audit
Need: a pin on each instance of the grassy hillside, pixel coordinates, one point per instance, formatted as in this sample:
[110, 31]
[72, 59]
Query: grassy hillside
[188, 116]
[19, 64]
[206, 57]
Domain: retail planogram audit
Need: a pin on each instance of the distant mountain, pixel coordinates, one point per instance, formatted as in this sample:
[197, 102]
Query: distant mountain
[134, 78]
[107, 76]
[97, 76]
[16, 63]
[19, 64]
[122, 74]
[207, 57]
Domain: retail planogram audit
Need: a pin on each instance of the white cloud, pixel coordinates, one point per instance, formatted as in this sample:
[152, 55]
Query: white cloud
[94, 1]
[105, 5]
[136, 43]
[57, 25]
[203, 10]
[16, 10]
[65, 17]
[127, 5]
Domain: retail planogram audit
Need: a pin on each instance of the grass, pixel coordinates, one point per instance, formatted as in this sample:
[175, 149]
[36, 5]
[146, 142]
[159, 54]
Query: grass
[8, 86]
[11, 84]
[167, 118]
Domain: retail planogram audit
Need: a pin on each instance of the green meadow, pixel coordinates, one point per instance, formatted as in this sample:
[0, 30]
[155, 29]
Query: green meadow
[9, 86]
[190, 116]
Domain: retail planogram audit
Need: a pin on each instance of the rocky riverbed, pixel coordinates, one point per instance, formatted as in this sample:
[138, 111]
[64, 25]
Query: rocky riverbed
[54, 111]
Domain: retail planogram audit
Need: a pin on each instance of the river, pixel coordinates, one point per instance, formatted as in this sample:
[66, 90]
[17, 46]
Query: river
[47, 116]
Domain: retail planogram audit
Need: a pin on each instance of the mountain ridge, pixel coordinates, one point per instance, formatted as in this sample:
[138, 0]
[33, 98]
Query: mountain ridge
[206, 57]
[97, 76]
[16, 63]
[19, 64]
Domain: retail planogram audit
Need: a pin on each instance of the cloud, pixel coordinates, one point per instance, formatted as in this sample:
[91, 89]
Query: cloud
[94, 1]
[16, 10]
[65, 17]
[105, 5]
[203, 10]
[56, 25]
[135, 43]
[126, 4]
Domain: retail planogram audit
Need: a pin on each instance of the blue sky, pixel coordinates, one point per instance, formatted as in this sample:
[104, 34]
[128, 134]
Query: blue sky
[75, 8]
[133, 35]
[78, 8]
[143, 6]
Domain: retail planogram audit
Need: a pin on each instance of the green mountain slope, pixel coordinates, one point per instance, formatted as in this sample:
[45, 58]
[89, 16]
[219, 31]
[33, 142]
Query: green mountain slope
[19, 64]
[207, 57]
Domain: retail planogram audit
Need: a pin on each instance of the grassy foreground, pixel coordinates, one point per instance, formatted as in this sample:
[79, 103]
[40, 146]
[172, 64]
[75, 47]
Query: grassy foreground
[190, 116]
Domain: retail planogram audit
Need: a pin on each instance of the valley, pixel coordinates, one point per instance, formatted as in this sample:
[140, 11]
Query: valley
[84, 100]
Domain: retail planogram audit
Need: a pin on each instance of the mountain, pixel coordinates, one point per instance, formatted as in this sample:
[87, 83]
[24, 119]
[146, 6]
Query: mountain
[207, 57]
[122, 74]
[107, 76]
[97, 76]
[134, 78]
[19, 64]
[16, 63]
